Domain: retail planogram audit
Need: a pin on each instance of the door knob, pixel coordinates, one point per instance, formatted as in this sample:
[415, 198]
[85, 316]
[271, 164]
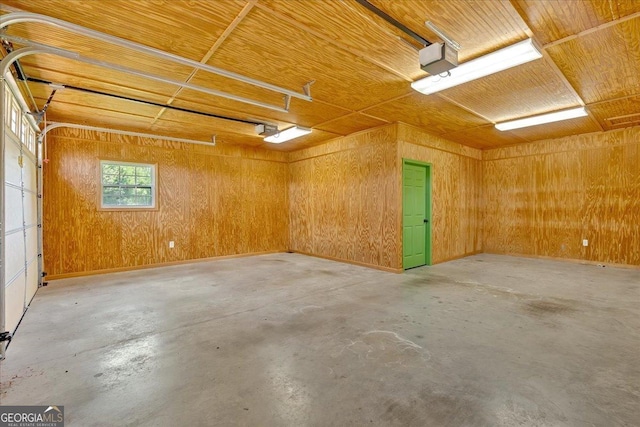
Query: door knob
[425, 220]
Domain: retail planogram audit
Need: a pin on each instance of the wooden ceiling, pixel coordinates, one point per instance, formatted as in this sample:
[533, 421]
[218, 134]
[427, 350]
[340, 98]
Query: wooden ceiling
[362, 66]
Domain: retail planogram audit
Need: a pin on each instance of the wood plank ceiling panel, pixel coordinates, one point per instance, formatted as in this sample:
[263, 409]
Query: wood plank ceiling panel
[94, 102]
[530, 89]
[301, 112]
[428, 112]
[362, 65]
[551, 20]
[351, 123]
[617, 114]
[94, 49]
[66, 71]
[480, 26]
[209, 123]
[352, 27]
[281, 54]
[100, 116]
[484, 137]
[186, 28]
[602, 65]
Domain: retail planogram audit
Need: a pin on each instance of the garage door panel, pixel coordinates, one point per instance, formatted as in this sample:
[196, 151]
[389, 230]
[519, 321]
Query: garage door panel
[13, 208]
[14, 255]
[14, 294]
[29, 175]
[32, 279]
[30, 209]
[13, 174]
[19, 178]
[32, 242]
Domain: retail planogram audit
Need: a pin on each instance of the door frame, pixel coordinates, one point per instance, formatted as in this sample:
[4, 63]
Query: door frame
[428, 188]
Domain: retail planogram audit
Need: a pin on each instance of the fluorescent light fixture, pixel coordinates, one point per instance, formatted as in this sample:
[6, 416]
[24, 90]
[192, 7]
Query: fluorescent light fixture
[500, 60]
[287, 134]
[543, 118]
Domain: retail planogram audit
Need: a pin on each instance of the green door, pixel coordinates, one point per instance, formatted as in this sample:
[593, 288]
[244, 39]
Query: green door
[416, 229]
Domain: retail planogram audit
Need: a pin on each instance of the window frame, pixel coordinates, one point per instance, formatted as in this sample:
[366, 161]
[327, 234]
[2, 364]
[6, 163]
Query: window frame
[128, 208]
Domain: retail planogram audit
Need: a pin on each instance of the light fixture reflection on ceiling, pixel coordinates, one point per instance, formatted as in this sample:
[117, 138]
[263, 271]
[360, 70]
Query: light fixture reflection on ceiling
[500, 60]
[543, 118]
[288, 134]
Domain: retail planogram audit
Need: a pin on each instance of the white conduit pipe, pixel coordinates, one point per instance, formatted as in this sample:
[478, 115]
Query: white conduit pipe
[76, 56]
[17, 17]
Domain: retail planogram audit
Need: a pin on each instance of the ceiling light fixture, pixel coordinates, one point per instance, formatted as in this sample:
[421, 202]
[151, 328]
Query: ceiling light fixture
[500, 60]
[543, 118]
[288, 134]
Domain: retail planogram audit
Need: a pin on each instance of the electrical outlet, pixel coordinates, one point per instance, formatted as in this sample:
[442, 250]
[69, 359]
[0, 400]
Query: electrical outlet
[171, 244]
[585, 242]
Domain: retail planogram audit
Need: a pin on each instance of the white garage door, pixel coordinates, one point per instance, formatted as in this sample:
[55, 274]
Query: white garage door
[20, 240]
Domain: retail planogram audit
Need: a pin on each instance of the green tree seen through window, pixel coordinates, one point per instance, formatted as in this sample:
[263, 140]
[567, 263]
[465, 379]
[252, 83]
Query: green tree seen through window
[127, 184]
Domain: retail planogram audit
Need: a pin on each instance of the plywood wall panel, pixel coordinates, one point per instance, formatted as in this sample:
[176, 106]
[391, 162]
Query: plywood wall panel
[456, 192]
[543, 202]
[212, 201]
[456, 197]
[343, 197]
[300, 189]
[346, 196]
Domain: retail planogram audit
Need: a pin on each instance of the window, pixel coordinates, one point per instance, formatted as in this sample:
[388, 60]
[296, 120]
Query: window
[15, 119]
[31, 142]
[24, 135]
[127, 185]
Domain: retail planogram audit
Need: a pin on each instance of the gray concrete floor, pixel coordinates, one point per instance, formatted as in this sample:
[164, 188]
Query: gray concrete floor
[290, 340]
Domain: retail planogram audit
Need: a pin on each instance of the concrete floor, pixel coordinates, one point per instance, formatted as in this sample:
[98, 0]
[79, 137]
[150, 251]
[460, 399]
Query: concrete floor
[290, 340]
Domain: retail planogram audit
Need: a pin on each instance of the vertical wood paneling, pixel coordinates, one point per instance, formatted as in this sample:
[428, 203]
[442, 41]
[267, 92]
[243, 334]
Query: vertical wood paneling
[540, 202]
[346, 204]
[212, 201]
[343, 202]
[456, 191]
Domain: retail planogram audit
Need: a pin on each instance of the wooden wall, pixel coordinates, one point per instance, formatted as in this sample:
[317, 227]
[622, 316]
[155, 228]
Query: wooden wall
[456, 175]
[213, 201]
[346, 196]
[544, 198]
[344, 199]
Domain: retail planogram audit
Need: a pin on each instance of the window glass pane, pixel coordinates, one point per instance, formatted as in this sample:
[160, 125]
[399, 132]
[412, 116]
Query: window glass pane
[127, 170]
[109, 179]
[25, 132]
[15, 122]
[144, 180]
[109, 200]
[127, 179]
[32, 140]
[128, 191]
[127, 185]
[143, 171]
[111, 191]
[110, 169]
